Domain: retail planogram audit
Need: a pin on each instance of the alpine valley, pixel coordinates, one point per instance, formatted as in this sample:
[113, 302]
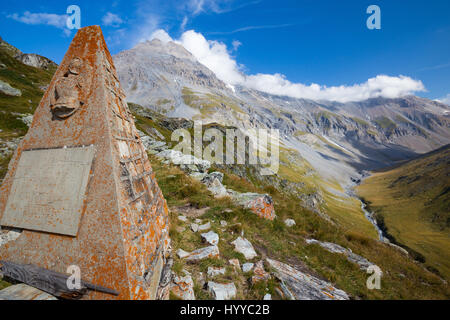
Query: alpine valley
[338, 162]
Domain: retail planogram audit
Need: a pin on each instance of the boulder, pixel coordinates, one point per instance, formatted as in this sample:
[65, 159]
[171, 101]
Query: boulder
[260, 204]
[235, 263]
[204, 227]
[268, 296]
[198, 175]
[182, 254]
[214, 271]
[297, 285]
[244, 246]
[5, 88]
[289, 222]
[210, 177]
[202, 253]
[259, 273]
[182, 218]
[194, 227]
[183, 287]
[217, 189]
[211, 237]
[187, 163]
[246, 267]
[222, 291]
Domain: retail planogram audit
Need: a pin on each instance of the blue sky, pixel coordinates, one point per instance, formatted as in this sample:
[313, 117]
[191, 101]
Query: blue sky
[321, 42]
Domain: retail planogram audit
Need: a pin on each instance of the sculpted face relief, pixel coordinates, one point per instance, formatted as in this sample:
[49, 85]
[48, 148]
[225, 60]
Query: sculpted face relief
[66, 99]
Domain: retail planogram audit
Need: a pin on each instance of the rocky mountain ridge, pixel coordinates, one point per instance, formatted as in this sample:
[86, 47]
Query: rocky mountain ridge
[357, 135]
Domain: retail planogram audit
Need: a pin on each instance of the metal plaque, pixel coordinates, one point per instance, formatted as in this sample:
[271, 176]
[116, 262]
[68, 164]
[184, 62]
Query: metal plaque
[48, 190]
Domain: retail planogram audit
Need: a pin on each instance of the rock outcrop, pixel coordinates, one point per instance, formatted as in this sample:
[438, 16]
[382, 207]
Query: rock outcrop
[352, 257]
[297, 285]
[6, 88]
[199, 254]
[37, 61]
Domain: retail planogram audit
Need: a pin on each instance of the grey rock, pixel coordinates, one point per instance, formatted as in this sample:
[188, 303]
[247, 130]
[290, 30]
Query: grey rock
[246, 267]
[183, 287]
[267, 296]
[211, 237]
[289, 222]
[214, 271]
[194, 227]
[182, 254]
[204, 227]
[35, 60]
[245, 247]
[6, 88]
[297, 285]
[222, 291]
[203, 253]
[335, 248]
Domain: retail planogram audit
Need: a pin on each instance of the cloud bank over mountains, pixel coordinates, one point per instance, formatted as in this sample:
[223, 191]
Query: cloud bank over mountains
[216, 56]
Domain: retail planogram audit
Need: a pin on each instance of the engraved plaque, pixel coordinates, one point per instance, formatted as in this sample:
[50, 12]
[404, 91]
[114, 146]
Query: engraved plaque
[48, 190]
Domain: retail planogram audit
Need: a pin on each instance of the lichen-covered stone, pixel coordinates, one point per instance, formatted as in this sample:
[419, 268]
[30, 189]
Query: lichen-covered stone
[259, 273]
[222, 291]
[183, 287]
[200, 254]
[260, 204]
[297, 285]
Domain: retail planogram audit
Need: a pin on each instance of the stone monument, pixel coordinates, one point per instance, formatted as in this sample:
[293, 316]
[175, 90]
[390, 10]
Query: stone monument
[80, 190]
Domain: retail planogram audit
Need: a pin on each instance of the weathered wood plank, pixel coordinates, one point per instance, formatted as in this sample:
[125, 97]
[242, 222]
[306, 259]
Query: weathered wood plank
[24, 292]
[52, 282]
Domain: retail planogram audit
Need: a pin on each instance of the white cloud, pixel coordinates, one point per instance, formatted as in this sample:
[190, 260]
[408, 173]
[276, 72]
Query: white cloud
[216, 6]
[50, 19]
[236, 44]
[379, 86]
[445, 99]
[216, 57]
[111, 19]
[184, 23]
[161, 35]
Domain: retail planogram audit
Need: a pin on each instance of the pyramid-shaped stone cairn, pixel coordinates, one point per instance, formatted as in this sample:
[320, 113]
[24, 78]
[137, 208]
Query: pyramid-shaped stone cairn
[80, 189]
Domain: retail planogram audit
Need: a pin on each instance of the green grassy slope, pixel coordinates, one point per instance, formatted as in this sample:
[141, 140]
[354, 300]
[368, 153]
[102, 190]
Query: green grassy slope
[413, 200]
[402, 277]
